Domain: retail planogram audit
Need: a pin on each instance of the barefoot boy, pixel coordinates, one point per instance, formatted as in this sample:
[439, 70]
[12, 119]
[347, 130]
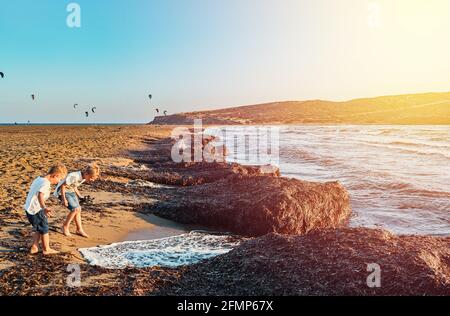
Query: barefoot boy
[36, 210]
[67, 191]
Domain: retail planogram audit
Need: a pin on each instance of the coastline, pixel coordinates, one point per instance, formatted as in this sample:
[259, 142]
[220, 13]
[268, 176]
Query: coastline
[120, 210]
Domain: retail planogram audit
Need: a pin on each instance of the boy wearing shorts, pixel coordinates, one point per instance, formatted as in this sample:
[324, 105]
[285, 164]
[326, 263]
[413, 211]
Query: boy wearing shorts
[67, 191]
[36, 210]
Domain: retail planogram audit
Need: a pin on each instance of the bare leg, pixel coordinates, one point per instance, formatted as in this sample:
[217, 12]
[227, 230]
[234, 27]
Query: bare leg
[80, 230]
[66, 225]
[35, 247]
[46, 245]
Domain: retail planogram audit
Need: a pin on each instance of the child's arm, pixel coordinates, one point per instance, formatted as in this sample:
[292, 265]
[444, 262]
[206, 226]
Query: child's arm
[63, 195]
[41, 200]
[78, 193]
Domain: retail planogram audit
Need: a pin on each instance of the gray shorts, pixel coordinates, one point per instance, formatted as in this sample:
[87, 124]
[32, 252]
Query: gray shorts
[72, 200]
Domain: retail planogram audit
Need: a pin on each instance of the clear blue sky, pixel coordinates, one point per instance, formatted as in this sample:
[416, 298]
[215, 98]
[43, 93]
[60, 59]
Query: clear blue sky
[199, 54]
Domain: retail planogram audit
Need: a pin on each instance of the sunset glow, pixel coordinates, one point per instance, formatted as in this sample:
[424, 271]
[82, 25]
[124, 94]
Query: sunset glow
[214, 54]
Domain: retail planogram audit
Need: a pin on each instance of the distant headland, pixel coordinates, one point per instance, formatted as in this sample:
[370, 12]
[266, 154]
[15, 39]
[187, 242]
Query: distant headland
[410, 109]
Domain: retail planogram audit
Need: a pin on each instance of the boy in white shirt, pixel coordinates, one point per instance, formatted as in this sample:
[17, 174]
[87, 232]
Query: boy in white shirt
[67, 191]
[36, 210]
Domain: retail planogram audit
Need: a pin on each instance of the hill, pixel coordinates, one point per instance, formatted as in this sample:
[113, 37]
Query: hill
[429, 108]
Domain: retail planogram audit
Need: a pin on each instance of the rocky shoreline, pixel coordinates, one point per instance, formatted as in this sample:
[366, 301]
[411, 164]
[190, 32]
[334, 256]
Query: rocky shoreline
[300, 244]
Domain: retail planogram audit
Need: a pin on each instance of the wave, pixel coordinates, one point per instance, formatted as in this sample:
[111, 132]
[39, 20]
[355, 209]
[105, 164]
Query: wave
[427, 193]
[397, 171]
[379, 186]
[167, 252]
[402, 187]
[298, 153]
[410, 150]
[418, 144]
[440, 139]
[410, 147]
[421, 152]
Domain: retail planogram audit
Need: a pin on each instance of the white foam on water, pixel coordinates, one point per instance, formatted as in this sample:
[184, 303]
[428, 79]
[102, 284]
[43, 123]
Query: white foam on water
[167, 252]
[146, 184]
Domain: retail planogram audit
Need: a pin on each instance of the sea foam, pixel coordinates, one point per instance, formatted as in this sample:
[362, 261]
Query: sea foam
[166, 252]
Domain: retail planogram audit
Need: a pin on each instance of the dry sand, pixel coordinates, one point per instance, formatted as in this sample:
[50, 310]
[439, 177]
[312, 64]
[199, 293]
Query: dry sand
[28, 151]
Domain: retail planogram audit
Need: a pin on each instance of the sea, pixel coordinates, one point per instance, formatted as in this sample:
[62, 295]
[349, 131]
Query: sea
[398, 179]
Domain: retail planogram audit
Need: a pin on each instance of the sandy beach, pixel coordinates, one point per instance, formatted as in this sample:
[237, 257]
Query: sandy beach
[299, 242]
[224, 150]
[29, 150]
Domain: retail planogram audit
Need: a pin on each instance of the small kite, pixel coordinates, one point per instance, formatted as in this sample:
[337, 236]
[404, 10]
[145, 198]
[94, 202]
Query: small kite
[33, 97]
[2, 74]
[165, 113]
[75, 105]
[86, 113]
[93, 109]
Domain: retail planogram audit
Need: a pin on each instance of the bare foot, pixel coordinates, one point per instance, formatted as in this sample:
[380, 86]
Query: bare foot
[82, 233]
[66, 231]
[34, 250]
[50, 251]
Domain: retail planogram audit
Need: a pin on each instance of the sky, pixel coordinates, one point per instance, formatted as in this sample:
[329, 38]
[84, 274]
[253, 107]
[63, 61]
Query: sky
[208, 54]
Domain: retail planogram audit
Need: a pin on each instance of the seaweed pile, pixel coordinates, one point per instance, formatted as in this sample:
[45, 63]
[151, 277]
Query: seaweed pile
[331, 262]
[257, 205]
[52, 276]
[247, 200]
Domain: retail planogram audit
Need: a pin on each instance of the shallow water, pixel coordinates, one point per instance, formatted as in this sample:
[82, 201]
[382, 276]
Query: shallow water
[167, 252]
[398, 177]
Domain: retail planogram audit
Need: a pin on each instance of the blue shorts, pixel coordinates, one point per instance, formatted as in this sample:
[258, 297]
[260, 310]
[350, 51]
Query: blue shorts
[72, 200]
[39, 222]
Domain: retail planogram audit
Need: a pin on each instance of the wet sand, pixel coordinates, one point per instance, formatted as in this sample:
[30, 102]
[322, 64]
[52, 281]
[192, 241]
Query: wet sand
[160, 228]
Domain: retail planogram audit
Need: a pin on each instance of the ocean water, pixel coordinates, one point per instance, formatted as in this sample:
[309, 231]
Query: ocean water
[167, 252]
[398, 177]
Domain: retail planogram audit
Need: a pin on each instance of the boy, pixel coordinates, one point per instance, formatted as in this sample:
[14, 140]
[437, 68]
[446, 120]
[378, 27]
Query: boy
[67, 191]
[36, 210]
